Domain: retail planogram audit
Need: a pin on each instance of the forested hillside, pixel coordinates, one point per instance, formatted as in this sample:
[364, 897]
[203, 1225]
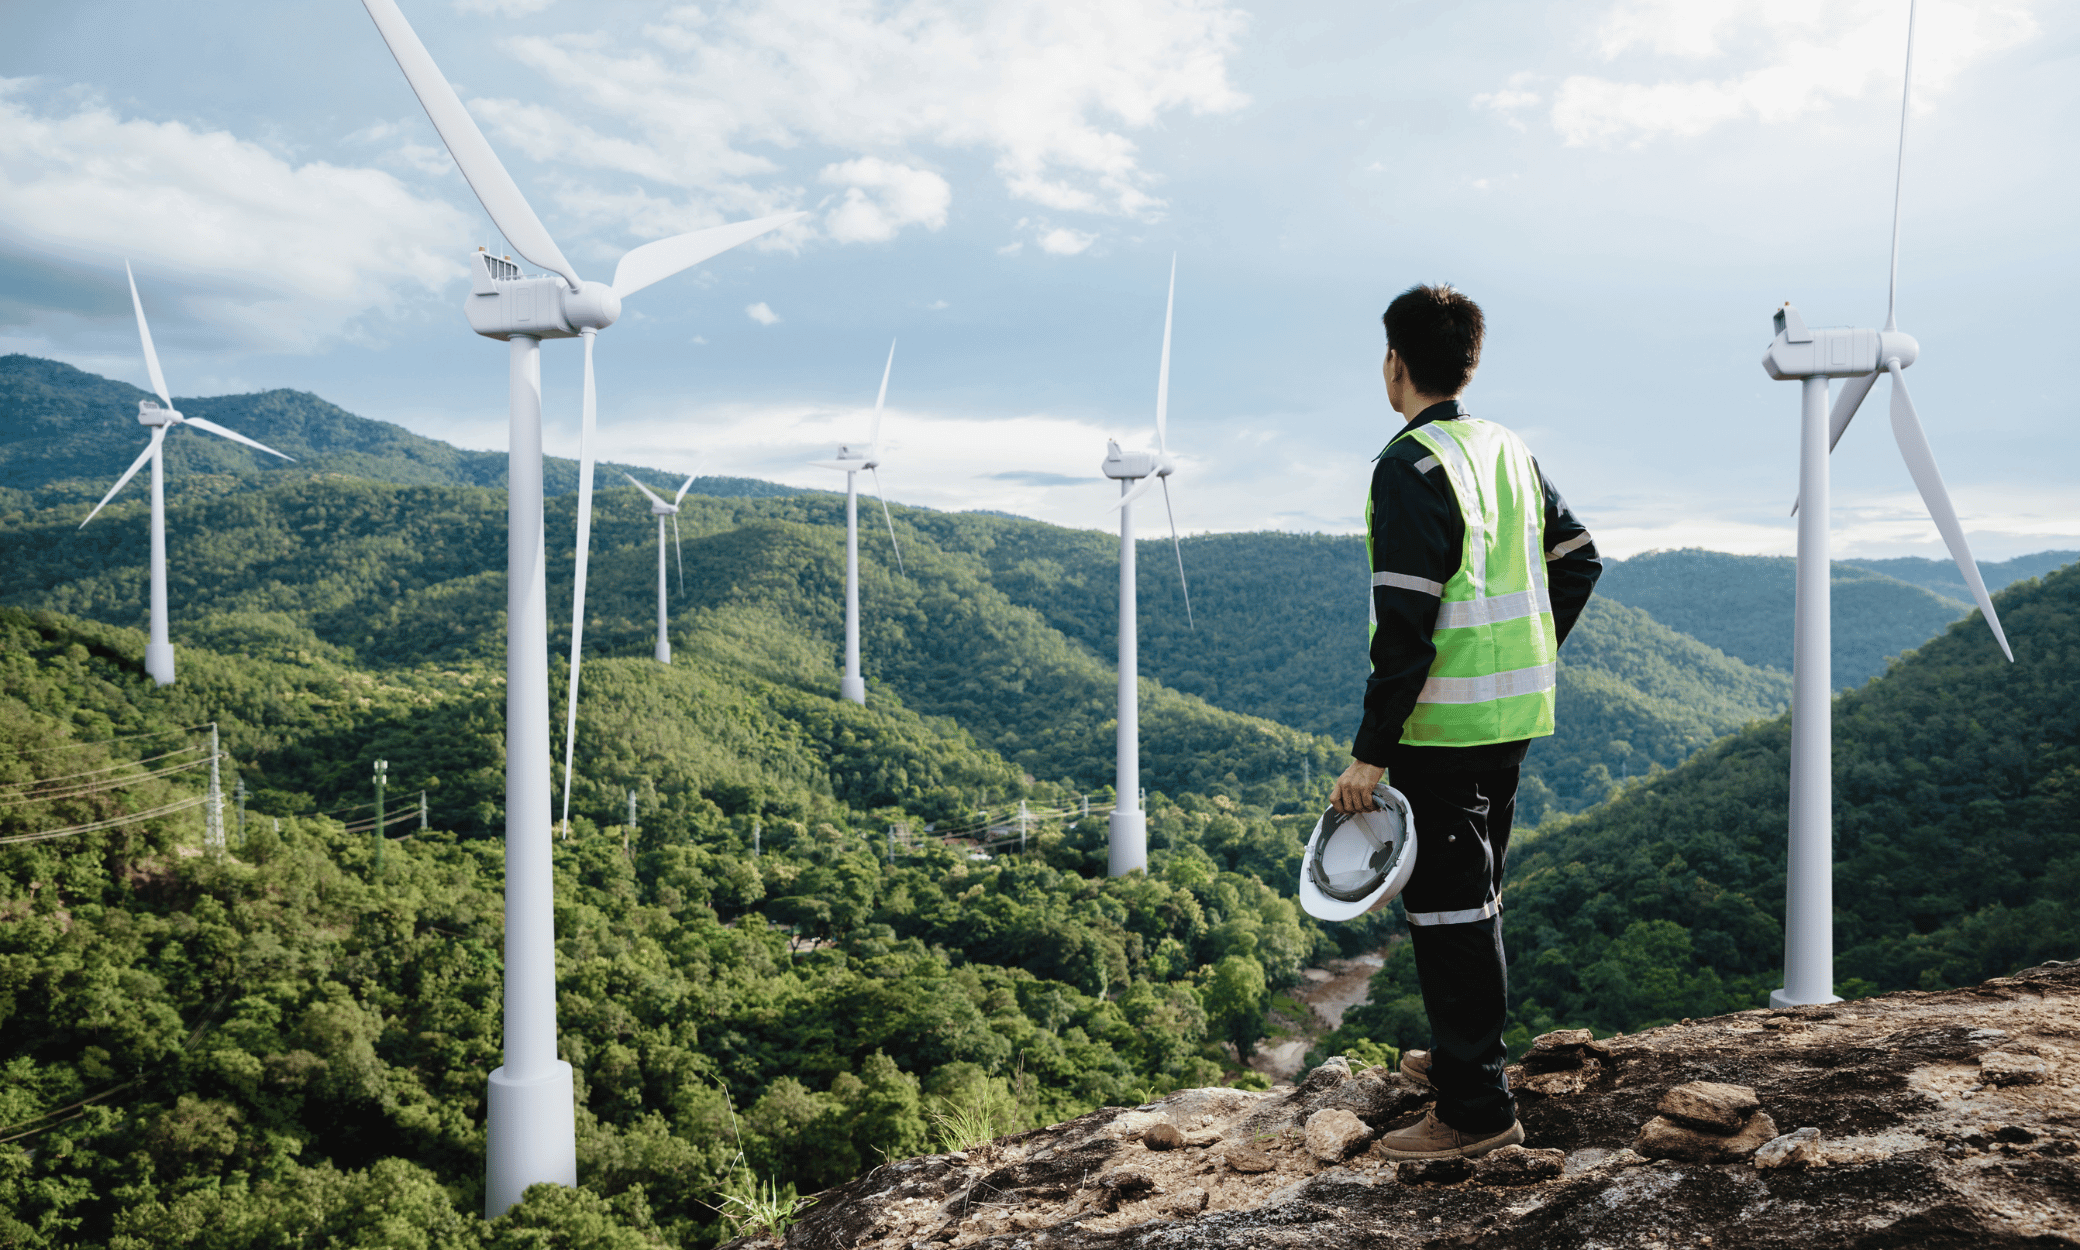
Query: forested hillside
[1743, 606]
[69, 434]
[1957, 847]
[292, 1041]
[1942, 576]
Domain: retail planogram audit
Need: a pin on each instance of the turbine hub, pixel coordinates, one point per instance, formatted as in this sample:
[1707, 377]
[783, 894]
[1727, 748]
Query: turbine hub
[150, 413]
[1898, 343]
[593, 306]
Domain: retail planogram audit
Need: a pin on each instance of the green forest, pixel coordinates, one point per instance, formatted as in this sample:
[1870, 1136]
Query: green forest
[822, 941]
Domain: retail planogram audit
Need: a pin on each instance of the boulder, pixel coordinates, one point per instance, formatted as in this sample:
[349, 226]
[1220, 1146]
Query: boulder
[1190, 1202]
[1334, 1134]
[2005, 1067]
[1162, 1137]
[1515, 1165]
[1709, 1105]
[1664, 1138]
[1796, 1149]
[1244, 1159]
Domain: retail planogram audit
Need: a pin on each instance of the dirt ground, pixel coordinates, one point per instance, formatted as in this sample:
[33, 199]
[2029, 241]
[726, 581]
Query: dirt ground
[1327, 992]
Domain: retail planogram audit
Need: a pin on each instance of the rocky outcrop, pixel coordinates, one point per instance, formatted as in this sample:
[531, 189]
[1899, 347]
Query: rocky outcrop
[1944, 1119]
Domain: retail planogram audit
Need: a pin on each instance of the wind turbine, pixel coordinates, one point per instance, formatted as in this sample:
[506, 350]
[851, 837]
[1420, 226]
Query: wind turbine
[1814, 356]
[531, 1132]
[660, 509]
[1127, 847]
[849, 462]
[160, 417]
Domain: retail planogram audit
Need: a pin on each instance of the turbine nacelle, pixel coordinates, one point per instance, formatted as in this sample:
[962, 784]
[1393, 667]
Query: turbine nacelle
[848, 461]
[1800, 352]
[502, 302]
[1129, 466]
[150, 413]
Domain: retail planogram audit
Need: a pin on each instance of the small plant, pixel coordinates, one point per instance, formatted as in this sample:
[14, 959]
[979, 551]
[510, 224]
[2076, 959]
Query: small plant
[758, 1208]
[982, 1114]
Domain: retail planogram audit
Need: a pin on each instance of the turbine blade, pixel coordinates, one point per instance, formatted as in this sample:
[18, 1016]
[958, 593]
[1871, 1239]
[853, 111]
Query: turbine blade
[654, 262]
[842, 466]
[1163, 375]
[1141, 488]
[1899, 175]
[646, 490]
[480, 166]
[684, 486]
[874, 438]
[586, 427]
[1178, 547]
[679, 553]
[236, 437]
[1921, 462]
[144, 457]
[1845, 406]
[891, 522]
[144, 332]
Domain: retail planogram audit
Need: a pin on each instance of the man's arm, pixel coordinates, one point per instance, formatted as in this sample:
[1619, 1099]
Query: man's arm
[1417, 541]
[1572, 565]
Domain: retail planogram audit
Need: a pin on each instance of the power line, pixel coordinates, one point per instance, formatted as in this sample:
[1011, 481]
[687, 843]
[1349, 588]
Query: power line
[107, 784]
[81, 746]
[149, 759]
[170, 808]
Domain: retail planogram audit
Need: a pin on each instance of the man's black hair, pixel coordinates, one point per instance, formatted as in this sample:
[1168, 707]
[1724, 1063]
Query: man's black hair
[1437, 331]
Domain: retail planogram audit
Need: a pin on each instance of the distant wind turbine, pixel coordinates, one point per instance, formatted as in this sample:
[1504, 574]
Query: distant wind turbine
[852, 686]
[1813, 357]
[660, 509]
[531, 1131]
[1128, 841]
[160, 417]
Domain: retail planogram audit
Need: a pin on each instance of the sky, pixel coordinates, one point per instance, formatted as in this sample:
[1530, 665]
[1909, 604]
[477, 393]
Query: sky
[998, 187]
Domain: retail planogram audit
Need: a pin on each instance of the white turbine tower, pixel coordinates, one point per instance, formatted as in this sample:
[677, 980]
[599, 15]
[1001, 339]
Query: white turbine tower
[660, 509]
[851, 463]
[160, 417]
[531, 1133]
[1128, 833]
[1814, 356]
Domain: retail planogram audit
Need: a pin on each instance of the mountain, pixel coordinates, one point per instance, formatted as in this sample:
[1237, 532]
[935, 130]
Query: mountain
[69, 434]
[1942, 576]
[1743, 606]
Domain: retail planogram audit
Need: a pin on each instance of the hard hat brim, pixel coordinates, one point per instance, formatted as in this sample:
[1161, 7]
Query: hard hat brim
[1320, 905]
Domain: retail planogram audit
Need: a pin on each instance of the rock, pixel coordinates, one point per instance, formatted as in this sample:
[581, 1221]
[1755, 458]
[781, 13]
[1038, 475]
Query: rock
[1709, 1105]
[1514, 1165]
[1190, 1202]
[1331, 1074]
[1162, 1137]
[2004, 1067]
[1204, 1137]
[2014, 1134]
[1435, 1172]
[1663, 1138]
[1333, 1135]
[1244, 1159]
[1562, 1039]
[1796, 1149]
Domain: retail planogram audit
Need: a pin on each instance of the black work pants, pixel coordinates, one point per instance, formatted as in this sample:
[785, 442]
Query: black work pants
[1455, 924]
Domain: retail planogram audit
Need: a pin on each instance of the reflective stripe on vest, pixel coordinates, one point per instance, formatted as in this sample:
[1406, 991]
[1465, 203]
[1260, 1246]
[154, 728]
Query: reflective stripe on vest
[1494, 675]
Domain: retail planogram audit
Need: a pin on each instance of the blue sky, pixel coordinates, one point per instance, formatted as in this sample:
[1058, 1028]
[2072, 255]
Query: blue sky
[1629, 188]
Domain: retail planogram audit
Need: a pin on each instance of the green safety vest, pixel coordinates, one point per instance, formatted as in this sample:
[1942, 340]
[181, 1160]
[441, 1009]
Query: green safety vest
[1492, 680]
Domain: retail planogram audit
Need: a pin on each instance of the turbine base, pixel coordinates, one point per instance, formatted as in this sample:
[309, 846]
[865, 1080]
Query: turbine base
[664, 652]
[1128, 844]
[158, 662]
[1781, 999]
[531, 1136]
[853, 688]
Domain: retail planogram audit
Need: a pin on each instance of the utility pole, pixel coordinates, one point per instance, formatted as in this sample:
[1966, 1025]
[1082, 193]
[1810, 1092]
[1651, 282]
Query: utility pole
[241, 792]
[1086, 807]
[754, 837]
[891, 843]
[422, 811]
[213, 810]
[630, 827]
[1022, 821]
[1306, 774]
[382, 782]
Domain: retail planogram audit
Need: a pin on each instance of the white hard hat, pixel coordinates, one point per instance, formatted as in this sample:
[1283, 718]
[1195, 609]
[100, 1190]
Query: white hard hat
[1354, 863]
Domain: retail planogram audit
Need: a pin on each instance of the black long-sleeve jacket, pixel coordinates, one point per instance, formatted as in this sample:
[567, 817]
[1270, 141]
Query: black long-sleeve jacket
[1418, 531]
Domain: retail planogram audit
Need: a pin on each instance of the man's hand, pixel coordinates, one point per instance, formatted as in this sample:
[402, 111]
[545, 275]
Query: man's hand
[1354, 789]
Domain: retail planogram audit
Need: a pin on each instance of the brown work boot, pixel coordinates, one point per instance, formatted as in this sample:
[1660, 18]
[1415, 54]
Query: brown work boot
[1432, 1138]
[1415, 1065]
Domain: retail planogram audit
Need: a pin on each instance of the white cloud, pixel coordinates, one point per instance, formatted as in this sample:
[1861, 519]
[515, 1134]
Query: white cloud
[1062, 241]
[713, 97]
[1011, 249]
[762, 313]
[882, 197]
[306, 251]
[1777, 61]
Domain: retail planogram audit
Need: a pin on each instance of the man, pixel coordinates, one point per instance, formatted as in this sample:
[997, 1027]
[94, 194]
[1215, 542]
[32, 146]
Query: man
[1478, 573]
